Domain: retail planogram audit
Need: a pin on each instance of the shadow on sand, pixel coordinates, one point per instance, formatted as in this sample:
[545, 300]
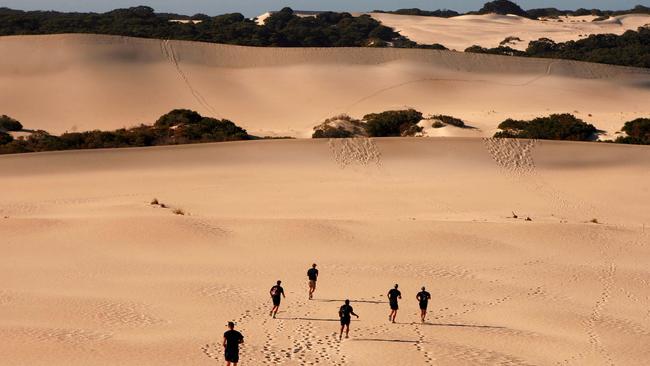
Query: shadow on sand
[462, 325]
[352, 301]
[386, 340]
[310, 319]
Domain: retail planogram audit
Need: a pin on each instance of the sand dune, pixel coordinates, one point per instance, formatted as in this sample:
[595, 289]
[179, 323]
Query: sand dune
[489, 30]
[95, 275]
[81, 82]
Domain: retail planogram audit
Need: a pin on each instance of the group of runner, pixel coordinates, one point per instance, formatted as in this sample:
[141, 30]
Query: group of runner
[232, 338]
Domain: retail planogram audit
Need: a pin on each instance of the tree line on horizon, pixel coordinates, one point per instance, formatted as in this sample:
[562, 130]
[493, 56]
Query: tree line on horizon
[281, 29]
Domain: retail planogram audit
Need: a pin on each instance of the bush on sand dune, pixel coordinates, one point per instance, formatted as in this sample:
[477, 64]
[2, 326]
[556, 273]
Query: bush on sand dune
[553, 127]
[9, 124]
[341, 126]
[637, 131]
[393, 123]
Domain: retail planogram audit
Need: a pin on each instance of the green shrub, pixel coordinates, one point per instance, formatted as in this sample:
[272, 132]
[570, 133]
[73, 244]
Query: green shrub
[553, 127]
[638, 132]
[393, 123]
[9, 124]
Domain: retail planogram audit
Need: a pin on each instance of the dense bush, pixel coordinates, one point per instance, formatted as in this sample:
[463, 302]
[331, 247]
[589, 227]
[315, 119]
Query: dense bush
[503, 7]
[9, 124]
[176, 127]
[629, 49]
[281, 29]
[393, 123]
[5, 138]
[553, 127]
[638, 132]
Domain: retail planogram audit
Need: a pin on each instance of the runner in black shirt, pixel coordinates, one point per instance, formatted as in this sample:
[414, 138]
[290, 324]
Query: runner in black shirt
[276, 292]
[393, 295]
[312, 274]
[231, 341]
[345, 313]
[423, 298]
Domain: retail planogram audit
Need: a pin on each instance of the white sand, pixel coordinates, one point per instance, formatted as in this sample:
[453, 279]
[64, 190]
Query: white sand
[82, 82]
[94, 275]
[489, 30]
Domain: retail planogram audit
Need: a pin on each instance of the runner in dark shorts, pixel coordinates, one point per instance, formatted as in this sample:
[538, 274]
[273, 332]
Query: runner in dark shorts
[423, 298]
[276, 292]
[393, 295]
[345, 313]
[312, 275]
[231, 341]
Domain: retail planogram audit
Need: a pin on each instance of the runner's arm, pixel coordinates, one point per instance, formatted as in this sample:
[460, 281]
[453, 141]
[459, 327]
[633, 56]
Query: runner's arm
[224, 342]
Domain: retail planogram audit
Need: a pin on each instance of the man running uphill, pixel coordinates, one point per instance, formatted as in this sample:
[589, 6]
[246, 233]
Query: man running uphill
[423, 298]
[312, 274]
[231, 341]
[276, 292]
[393, 295]
[345, 313]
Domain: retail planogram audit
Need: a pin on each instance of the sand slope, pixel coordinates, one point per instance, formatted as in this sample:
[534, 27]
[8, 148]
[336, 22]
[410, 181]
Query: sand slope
[94, 275]
[80, 82]
[489, 30]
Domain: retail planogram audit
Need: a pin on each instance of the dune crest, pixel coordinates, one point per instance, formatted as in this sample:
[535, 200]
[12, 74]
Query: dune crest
[115, 82]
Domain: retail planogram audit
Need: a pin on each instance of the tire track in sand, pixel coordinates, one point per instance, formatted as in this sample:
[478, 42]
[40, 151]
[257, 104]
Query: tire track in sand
[167, 49]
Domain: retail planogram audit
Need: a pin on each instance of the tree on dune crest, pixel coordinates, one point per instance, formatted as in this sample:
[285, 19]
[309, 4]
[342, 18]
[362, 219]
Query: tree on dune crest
[503, 7]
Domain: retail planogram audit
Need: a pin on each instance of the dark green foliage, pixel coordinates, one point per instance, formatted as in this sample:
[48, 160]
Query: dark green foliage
[5, 138]
[501, 50]
[503, 7]
[441, 13]
[281, 29]
[9, 124]
[553, 127]
[178, 117]
[177, 127]
[393, 123]
[638, 132]
[629, 49]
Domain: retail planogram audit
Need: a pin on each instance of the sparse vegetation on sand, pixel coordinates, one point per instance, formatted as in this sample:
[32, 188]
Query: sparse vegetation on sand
[553, 127]
[637, 131]
[449, 120]
[179, 126]
[341, 126]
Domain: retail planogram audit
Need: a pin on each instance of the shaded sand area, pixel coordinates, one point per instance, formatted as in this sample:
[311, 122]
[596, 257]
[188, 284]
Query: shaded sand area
[491, 29]
[92, 274]
[83, 82]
